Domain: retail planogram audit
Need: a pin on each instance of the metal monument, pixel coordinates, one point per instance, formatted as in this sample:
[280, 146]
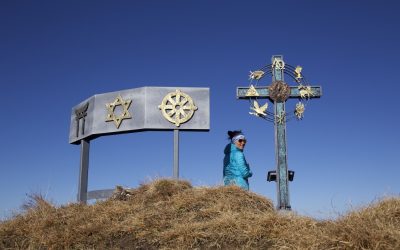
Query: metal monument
[278, 92]
[135, 110]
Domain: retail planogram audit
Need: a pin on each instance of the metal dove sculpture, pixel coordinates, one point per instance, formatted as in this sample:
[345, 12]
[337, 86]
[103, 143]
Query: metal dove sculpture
[259, 111]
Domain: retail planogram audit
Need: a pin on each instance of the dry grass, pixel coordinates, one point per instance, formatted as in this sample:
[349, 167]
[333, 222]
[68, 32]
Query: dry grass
[167, 214]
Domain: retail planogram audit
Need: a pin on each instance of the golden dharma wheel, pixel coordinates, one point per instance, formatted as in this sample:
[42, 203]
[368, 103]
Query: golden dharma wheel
[177, 107]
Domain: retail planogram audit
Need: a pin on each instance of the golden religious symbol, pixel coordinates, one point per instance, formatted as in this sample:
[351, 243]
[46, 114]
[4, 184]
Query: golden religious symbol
[259, 111]
[256, 75]
[278, 63]
[111, 111]
[252, 91]
[298, 73]
[299, 111]
[305, 91]
[177, 107]
[280, 118]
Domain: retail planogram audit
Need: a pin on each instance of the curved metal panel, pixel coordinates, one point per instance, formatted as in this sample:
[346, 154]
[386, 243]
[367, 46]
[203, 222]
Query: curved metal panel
[139, 109]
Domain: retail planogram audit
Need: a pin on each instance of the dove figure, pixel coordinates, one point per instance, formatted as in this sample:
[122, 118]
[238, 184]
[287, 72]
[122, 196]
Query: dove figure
[259, 111]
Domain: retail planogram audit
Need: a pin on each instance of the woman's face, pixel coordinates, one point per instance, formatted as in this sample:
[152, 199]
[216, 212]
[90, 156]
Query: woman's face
[240, 143]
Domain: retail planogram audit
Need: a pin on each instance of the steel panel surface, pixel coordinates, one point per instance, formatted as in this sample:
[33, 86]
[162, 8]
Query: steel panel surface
[143, 109]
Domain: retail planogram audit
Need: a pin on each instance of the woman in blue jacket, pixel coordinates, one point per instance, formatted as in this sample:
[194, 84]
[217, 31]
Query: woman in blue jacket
[236, 169]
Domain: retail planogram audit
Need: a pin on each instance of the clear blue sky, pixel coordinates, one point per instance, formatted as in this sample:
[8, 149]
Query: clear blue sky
[55, 54]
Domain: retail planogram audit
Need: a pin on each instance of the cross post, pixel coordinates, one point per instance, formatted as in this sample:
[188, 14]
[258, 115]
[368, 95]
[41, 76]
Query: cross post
[278, 93]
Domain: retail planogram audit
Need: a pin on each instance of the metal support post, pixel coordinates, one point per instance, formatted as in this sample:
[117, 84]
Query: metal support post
[280, 142]
[281, 161]
[83, 173]
[176, 154]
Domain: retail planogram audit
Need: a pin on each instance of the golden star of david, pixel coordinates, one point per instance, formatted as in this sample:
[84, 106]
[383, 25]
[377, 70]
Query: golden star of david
[125, 113]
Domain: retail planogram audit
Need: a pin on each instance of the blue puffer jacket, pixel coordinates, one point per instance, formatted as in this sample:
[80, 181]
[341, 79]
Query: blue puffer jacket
[236, 169]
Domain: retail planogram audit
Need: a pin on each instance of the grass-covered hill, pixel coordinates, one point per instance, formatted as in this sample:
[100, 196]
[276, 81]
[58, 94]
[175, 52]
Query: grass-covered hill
[167, 214]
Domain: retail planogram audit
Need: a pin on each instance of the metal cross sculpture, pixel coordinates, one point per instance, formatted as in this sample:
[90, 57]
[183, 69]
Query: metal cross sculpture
[278, 92]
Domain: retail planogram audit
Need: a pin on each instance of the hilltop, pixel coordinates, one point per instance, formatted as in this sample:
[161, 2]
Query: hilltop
[170, 214]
